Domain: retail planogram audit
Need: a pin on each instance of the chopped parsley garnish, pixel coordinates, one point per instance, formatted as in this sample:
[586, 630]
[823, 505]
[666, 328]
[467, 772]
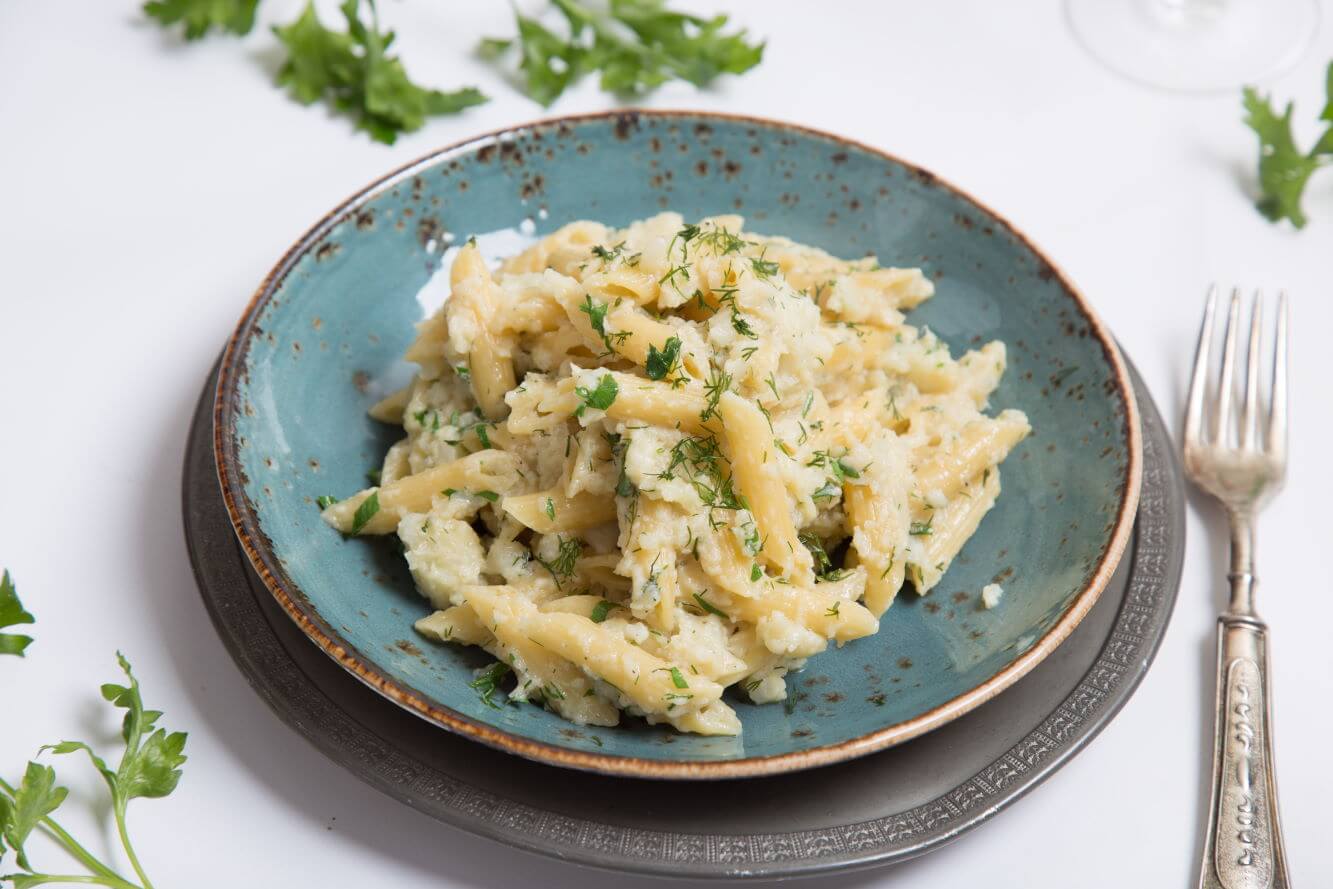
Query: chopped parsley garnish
[922, 529]
[488, 682]
[709, 606]
[677, 679]
[601, 610]
[464, 372]
[596, 313]
[755, 573]
[550, 509]
[660, 364]
[837, 467]
[600, 398]
[365, 512]
[325, 501]
[483, 435]
[488, 495]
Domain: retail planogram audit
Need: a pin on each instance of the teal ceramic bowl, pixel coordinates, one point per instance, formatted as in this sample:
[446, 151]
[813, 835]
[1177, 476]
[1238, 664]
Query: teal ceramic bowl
[323, 339]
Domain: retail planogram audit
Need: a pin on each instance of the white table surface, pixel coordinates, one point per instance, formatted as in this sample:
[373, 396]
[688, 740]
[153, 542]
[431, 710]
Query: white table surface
[147, 187]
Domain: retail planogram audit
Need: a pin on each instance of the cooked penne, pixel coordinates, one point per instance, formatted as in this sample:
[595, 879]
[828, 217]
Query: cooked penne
[642, 466]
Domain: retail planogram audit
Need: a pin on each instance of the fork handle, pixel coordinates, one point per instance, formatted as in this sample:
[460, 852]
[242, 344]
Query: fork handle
[1243, 848]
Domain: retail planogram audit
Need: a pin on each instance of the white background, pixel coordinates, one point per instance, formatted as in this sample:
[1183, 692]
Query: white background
[147, 186]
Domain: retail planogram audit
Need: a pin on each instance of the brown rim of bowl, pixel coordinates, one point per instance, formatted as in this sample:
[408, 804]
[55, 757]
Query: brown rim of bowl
[258, 550]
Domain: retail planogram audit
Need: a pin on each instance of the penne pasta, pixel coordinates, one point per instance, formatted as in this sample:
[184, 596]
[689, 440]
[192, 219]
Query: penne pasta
[640, 466]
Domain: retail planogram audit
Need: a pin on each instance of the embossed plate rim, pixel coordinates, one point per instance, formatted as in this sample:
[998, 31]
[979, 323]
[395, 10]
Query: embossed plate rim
[482, 812]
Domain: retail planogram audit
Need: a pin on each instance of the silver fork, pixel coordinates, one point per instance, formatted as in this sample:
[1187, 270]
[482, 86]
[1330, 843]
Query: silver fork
[1242, 463]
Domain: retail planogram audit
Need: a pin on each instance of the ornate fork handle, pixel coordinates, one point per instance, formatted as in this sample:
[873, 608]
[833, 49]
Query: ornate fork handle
[1244, 848]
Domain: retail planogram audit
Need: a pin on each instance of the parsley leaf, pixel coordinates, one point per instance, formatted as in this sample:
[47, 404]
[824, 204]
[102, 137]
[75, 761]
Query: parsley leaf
[37, 797]
[201, 16]
[1284, 169]
[12, 614]
[601, 610]
[600, 398]
[149, 767]
[660, 364]
[637, 45]
[355, 73]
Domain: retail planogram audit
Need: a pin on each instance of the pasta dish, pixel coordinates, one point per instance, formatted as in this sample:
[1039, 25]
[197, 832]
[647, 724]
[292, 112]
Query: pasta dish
[641, 466]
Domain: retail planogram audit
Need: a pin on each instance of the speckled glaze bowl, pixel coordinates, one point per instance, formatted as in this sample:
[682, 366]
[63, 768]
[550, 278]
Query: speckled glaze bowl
[323, 339]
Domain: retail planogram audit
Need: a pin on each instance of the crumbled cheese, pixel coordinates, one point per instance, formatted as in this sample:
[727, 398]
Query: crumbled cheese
[990, 594]
[935, 497]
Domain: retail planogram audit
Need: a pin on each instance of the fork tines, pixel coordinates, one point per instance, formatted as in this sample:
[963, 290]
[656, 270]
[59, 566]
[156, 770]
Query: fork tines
[1209, 415]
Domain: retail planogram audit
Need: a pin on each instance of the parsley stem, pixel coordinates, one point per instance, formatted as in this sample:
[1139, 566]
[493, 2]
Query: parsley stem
[129, 847]
[39, 879]
[72, 846]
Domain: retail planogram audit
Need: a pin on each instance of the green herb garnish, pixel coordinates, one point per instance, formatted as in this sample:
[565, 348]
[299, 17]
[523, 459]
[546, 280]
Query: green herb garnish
[709, 606]
[488, 495]
[562, 567]
[922, 529]
[365, 512]
[12, 615]
[149, 768]
[677, 679]
[354, 72]
[600, 398]
[1284, 169]
[550, 509]
[201, 16]
[601, 610]
[660, 364]
[755, 573]
[637, 45]
[324, 501]
[715, 386]
[764, 268]
[488, 682]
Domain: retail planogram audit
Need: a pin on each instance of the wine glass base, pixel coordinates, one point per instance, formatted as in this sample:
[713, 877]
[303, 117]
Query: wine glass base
[1196, 46]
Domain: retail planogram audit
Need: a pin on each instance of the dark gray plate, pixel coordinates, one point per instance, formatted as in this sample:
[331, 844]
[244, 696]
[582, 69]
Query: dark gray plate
[882, 808]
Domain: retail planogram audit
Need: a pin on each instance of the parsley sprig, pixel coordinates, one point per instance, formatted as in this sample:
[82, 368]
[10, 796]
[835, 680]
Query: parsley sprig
[201, 16]
[149, 768]
[637, 45]
[354, 72]
[1284, 170]
[12, 614]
